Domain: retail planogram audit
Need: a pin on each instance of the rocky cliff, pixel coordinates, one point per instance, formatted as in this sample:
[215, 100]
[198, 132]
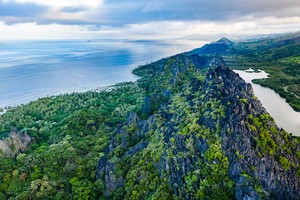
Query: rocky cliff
[15, 143]
[189, 128]
[263, 158]
[204, 136]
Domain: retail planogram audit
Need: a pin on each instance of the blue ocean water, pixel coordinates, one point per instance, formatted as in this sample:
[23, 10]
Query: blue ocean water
[33, 69]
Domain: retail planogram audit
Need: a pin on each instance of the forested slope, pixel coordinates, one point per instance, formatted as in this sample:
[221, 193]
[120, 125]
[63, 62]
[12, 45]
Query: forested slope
[190, 128]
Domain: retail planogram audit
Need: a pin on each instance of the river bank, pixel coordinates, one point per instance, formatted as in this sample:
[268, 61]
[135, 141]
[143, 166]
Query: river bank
[284, 115]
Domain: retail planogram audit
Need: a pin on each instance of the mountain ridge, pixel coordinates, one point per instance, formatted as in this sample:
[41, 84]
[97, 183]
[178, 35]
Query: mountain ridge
[241, 113]
[225, 41]
[189, 128]
[278, 55]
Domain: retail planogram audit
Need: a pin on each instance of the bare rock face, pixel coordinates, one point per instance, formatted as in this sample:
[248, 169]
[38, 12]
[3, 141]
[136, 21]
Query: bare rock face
[15, 143]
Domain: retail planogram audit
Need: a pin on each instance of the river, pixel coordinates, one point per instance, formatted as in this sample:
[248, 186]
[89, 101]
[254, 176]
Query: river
[284, 115]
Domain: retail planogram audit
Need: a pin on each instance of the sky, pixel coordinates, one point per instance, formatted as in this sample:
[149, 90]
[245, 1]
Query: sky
[204, 20]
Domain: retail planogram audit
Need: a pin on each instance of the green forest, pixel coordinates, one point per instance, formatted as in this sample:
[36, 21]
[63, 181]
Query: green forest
[69, 135]
[189, 128]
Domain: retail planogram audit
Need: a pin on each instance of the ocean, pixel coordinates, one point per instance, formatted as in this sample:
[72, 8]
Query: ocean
[33, 69]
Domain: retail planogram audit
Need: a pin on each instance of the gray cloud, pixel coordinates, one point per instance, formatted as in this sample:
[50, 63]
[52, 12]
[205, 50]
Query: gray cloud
[12, 12]
[123, 12]
[133, 11]
[73, 9]
[14, 9]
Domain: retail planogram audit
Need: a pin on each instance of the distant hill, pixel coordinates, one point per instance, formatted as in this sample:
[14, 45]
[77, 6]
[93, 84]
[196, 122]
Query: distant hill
[224, 41]
[221, 46]
[277, 54]
[267, 44]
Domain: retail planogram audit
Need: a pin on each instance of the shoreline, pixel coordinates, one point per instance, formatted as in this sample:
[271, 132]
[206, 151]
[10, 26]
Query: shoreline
[274, 104]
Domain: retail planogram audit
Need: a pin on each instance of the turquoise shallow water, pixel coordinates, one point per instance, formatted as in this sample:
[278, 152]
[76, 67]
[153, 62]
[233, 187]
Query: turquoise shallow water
[33, 69]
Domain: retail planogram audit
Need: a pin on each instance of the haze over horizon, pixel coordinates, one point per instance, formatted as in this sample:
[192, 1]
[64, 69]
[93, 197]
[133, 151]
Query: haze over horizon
[131, 19]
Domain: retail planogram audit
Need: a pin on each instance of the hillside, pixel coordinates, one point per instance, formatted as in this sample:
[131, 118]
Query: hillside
[190, 128]
[222, 46]
[279, 56]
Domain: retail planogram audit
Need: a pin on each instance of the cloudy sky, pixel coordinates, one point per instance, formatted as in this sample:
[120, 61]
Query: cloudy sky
[146, 19]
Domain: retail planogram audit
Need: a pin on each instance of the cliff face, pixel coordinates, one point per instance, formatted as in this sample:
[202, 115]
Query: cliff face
[15, 143]
[267, 160]
[206, 136]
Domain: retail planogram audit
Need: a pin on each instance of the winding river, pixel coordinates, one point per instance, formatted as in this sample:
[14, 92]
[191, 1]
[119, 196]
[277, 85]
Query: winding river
[284, 115]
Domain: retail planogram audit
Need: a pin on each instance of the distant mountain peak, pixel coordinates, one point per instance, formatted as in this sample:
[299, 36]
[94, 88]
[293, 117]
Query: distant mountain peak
[225, 41]
[222, 46]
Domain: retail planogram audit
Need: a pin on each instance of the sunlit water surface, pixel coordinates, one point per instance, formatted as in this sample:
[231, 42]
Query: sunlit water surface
[29, 70]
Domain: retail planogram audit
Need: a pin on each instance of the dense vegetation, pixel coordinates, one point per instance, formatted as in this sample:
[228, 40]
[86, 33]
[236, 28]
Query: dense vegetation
[70, 133]
[279, 56]
[190, 128]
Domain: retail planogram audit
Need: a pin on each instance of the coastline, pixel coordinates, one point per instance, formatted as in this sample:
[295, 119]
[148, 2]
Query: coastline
[75, 66]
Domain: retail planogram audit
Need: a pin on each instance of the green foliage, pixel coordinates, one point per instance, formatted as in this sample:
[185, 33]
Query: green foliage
[237, 153]
[81, 189]
[266, 139]
[42, 188]
[244, 101]
[179, 148]
[2, 196]
[70, 133]
[286, 165]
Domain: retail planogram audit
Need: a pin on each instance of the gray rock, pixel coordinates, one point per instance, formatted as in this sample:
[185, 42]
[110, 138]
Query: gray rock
[15, 143]
[147, 106]
[140, 146]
